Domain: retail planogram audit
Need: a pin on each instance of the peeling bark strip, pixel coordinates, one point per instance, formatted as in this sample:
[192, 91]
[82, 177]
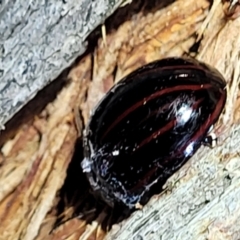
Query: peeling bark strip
[38, 40]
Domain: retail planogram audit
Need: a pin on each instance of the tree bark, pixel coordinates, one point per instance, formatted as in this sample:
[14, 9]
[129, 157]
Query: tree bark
[38, 173]
[38, 40]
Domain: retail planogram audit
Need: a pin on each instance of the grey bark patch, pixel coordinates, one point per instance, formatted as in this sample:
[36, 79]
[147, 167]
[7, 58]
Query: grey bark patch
[38, 40]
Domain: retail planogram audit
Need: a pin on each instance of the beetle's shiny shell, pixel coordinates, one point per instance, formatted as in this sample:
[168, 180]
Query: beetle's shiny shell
[148, 125]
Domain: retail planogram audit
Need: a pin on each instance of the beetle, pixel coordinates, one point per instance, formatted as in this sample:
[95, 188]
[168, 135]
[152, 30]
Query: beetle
[148, 125]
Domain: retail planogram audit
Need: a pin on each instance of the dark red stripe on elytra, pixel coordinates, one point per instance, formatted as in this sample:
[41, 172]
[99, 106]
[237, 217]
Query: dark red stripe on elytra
[153, 96]
[197, 103]
[155, 112]
[209, 121]
[154, 135]
[166, 128]
[144, 180]
[204, 127]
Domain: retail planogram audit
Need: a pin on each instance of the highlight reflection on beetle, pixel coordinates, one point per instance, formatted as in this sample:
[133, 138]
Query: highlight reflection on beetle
[148, 125]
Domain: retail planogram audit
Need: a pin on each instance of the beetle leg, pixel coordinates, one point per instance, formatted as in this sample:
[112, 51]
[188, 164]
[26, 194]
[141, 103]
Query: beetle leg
[211, 140]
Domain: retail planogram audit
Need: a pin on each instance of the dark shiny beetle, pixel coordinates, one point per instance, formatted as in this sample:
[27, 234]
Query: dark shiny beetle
[148, 125]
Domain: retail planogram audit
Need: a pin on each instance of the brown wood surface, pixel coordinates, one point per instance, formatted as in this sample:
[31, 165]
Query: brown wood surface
[40, 176]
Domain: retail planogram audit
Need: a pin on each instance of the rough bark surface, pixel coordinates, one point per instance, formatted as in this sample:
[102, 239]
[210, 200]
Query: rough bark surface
[38, 40]
[43, 192]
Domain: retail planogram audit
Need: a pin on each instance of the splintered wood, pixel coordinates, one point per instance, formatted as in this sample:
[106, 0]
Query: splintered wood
[200, 201]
